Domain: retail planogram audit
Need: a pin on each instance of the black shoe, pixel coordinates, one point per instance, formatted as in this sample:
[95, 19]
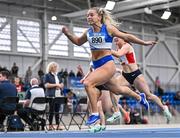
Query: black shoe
[43, 124]
[1, 128]
[35, 126]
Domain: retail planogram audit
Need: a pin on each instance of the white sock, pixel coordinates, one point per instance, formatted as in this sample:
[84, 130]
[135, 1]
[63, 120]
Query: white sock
[96, 114]
[97, 125]
[117, 113]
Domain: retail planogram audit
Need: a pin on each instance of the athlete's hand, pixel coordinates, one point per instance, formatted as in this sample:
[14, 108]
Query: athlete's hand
[65, 30]
[150, 43]
[82, 80]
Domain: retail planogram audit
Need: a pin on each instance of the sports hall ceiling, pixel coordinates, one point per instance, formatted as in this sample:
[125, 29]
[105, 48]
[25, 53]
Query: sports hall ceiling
[124, 9]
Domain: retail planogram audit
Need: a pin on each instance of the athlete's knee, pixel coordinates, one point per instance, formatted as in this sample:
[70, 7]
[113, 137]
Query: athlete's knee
[149, 96]
[87, 83]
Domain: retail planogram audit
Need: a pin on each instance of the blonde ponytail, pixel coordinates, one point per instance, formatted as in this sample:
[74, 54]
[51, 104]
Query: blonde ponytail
[107, 18]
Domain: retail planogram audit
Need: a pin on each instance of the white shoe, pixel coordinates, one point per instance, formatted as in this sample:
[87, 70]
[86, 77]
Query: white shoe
[167, 114]
[95, 128]
[114, 117]
[103, 127]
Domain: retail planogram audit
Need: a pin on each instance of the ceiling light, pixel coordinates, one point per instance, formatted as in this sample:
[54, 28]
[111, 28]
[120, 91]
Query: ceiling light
[166, 14]
[110, 5]
[54, 18]
[147, 10]
[24, 12]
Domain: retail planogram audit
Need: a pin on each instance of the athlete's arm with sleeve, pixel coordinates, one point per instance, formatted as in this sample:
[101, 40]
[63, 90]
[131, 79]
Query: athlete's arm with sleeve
[128, 37]
[75, 39]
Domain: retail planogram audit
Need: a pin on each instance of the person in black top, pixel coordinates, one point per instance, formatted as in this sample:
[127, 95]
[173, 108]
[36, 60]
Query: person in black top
[14, 70]
[71, 74]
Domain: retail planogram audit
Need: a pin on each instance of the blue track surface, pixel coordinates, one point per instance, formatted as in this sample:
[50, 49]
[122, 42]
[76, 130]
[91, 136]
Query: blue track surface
[127, 133]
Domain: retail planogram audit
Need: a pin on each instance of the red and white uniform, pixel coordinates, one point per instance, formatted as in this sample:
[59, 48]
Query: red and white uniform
[128, 58]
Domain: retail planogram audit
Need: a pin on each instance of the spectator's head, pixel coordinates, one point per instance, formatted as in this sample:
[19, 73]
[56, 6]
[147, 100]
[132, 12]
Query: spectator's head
[157, 77]
[52, 67]
[29, 67]
[14, 64]
[34, 81]
[17, 80]
[4, 75]
[70, 94]
[178, 94]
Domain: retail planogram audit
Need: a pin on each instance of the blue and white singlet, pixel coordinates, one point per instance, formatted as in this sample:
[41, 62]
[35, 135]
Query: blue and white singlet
[99, 40]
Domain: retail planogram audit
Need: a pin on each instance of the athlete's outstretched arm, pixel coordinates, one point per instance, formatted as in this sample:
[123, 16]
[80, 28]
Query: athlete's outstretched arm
[75, 39]
[128, 37]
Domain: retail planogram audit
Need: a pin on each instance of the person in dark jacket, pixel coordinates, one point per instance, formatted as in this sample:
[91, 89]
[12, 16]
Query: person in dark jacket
[53, 84]
[7, 89]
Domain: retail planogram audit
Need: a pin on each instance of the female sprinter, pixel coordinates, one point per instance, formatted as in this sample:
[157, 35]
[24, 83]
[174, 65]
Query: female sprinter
[100, 36]
[125, 53]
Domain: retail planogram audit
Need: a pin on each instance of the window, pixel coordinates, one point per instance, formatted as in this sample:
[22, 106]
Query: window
[58, 42]
[84, 50]
[28, 36]
[5, 34]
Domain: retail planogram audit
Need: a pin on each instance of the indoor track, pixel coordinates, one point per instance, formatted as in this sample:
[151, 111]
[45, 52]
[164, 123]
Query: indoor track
[122, 133]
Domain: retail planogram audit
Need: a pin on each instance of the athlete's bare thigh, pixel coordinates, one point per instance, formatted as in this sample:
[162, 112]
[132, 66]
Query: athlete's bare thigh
[122, 81]
[102, 74]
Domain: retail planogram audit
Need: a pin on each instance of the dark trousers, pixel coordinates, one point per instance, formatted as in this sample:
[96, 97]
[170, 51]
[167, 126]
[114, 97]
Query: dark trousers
[29, 115]
[3, 114]
[53, 110]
